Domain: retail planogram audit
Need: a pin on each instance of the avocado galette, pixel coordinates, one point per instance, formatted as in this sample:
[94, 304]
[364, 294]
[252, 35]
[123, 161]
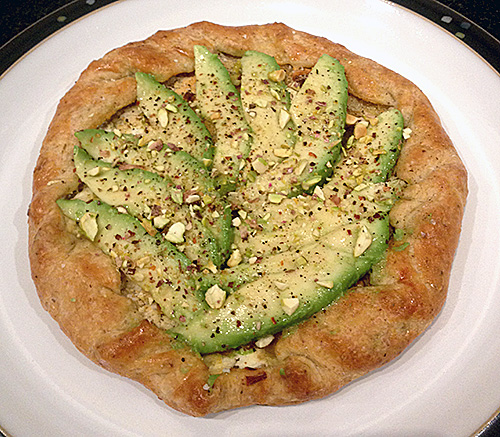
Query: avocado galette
[243, 215]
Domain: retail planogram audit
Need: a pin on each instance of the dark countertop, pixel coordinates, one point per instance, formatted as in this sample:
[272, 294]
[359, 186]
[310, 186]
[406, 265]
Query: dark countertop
[17, 15]
[24, 23]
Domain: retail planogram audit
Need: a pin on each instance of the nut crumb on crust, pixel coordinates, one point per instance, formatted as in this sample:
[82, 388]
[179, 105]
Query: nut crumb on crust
[367, 328]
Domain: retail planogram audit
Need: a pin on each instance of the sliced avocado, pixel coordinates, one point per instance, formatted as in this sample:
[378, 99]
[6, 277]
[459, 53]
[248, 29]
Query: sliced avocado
[334, 236]
[152, 198]
[175, 121]
[266, 102]
[219, 102]
[153, 263]
[108, 146]
[184, 169]
[372, 156]
[355, 191]
[303, 234]
[319, 110]
[288, 294]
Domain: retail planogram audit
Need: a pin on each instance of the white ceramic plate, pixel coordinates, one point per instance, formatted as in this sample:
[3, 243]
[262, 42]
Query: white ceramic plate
[444, 384]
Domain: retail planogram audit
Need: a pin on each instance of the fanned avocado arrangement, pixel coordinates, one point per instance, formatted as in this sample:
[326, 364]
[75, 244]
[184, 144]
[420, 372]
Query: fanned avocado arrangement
[247, 209]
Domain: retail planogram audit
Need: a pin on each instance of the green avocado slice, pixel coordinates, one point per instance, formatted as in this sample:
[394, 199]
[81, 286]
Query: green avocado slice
[290, 237]
[318, 110]
[291, 292]
[150, 261]
[220, 103]
[129, 150]
[174, 120]
[150, 197]
[266, 102]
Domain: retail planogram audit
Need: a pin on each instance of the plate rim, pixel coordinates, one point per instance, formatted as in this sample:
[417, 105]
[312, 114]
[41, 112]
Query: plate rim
[482, 42]
[74, 12]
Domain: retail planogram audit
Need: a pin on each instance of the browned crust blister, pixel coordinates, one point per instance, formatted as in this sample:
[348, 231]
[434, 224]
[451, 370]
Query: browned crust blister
[369, 327]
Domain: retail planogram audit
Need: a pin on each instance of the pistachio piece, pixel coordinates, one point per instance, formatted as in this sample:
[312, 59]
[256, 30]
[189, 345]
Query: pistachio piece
[360, 130]
[264, 341]
[325, 283]
[277, 75]
[363, 241]
[275, 198]
[259, 165]
[163, 117]
[88, 224]
[175, 233]
[290, 305]
[284, 118]
[235, 258]
[215, 297]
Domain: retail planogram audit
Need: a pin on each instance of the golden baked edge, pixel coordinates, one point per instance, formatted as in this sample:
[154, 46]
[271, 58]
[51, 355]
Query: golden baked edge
[80, 287]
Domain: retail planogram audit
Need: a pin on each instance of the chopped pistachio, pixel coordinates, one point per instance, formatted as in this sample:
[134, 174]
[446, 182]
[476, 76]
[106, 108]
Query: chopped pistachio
[211, 266]
[360, 129]
[301, 167]
[282, 153]
[236, 222]
[160, 222]
[215, 115]
[242, 213]
[142, 261]
[275, 198]
[235, 258]
[275, 94]
[277, 75]
[192, 198]
[351, 119]
[215, 297]
[284, 118]
[88, 224]
[163, 117]
[94, 171]
[290, 305]
[259, 165]
[175, 233]
[325, 283]
[363, 241]
[319, 192]
[308, 183]
[280, 285]
[360, 187]
[177, 197]
[264, 341]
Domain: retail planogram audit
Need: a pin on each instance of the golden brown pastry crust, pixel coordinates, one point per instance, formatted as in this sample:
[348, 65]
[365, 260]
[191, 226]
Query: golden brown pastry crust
[369, 327]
